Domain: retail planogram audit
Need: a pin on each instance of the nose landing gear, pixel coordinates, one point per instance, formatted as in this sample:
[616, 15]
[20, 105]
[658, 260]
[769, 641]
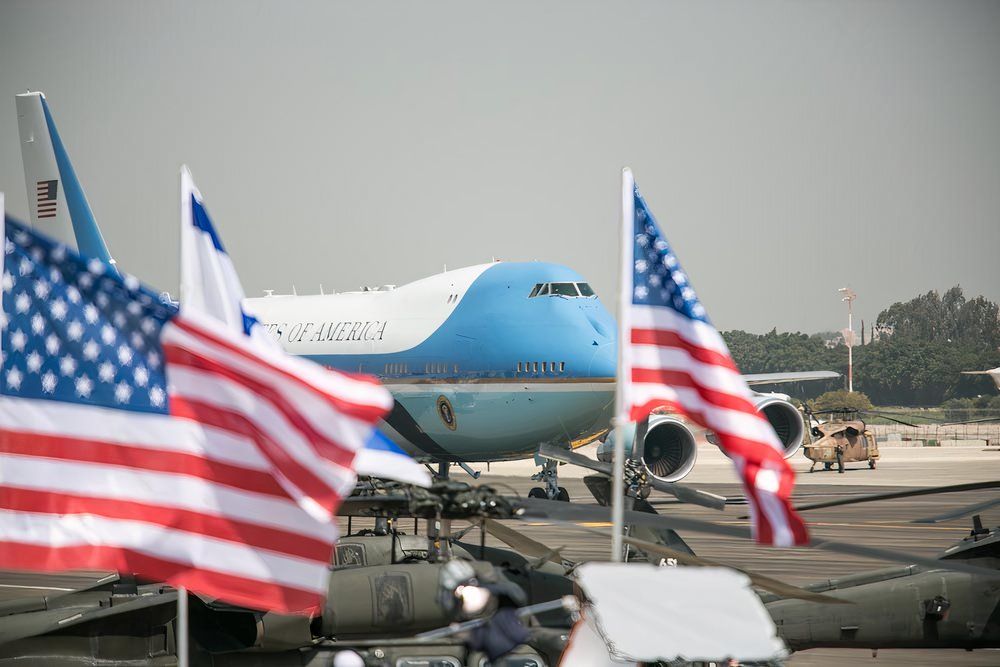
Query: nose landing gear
[550, 475]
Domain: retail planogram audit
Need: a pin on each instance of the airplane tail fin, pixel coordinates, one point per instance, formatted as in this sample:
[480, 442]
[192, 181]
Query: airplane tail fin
[56, 199]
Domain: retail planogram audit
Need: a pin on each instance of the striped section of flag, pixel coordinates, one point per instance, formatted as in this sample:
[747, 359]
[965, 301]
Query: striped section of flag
[46, 198]
[211, 287]
[223, 480]
[674, 359]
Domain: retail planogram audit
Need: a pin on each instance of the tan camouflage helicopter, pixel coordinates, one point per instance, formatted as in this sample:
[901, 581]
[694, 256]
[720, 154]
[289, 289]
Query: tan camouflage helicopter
[843, 437]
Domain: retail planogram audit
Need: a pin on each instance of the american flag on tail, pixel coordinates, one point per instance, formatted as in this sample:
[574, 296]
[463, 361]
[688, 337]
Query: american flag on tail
[672, 357]
[46, 198]
[138, 439]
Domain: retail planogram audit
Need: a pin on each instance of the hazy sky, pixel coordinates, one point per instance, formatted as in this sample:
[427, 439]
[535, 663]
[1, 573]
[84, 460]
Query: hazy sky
[787, 148]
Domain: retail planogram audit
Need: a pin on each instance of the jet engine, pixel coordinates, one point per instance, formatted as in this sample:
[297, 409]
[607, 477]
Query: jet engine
[784, 418]
[668, 452]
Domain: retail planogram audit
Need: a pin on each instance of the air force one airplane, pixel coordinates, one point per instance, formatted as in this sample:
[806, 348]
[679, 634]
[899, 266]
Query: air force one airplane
[486, 363]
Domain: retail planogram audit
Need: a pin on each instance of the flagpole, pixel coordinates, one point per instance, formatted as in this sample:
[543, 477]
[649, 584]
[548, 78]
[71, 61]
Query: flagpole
[621, 408]
[182, 627]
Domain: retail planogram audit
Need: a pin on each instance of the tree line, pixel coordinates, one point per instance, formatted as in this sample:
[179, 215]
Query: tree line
[917, 360]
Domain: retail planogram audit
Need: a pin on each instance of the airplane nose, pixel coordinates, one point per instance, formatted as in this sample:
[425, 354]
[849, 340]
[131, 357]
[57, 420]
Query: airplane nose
[600, 324]
[604, 359]
[604, 363]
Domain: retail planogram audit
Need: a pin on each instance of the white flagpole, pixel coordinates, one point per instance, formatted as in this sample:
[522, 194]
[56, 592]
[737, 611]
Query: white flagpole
[181, 640]
[182, 627]
[621, 403]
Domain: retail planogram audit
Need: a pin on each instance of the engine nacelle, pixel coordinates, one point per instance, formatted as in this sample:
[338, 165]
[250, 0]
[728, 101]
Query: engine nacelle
[669, 451]
[786, 421]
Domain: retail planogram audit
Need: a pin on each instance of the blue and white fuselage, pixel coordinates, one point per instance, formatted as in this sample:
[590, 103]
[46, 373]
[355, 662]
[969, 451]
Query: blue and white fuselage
[486, 362]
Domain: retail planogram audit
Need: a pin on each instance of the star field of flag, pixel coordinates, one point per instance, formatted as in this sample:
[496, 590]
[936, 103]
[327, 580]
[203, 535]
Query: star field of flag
[658, 279]
[76, 331]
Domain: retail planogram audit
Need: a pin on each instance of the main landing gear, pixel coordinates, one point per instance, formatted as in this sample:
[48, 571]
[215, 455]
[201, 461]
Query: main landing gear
[550, 475]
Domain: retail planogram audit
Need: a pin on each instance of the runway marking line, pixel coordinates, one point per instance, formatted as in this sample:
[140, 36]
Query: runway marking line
[586, 524]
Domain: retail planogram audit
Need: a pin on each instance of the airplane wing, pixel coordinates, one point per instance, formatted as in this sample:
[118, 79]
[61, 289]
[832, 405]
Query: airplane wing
[993, 373]
[799, 376]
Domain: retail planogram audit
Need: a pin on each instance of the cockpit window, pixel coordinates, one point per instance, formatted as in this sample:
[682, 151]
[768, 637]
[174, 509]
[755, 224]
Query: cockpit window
[564, 289]
[572, 290]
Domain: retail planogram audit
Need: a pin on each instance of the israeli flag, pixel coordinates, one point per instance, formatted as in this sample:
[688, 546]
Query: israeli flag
[211, 286]
[381, 457]
[209, 282]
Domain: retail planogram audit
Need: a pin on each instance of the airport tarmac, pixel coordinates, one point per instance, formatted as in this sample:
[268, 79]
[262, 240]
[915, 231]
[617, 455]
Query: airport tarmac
[897, 466]
[885, 524]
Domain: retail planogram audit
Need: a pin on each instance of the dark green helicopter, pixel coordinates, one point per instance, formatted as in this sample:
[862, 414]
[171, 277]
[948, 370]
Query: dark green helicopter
[916, 605]
[400, 600]
[923, 605]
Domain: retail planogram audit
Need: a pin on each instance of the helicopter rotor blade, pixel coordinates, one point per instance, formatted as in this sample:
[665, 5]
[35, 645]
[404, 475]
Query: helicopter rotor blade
[689, 495]
[902, 417]
[684, 494]
[908, 493]
[979, 420]
[898, 421]
[887, 415]
[528, 546]
[759, 580]
[521, 542]
[397, 505]
[457, 537]
[545, 558]
[775, 586]
[960, 512]
[538, 509]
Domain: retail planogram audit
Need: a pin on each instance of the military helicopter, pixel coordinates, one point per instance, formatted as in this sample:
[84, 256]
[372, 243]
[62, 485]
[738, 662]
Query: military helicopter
[395, 599]
[907, 606]
[841, 438]
[925, 603]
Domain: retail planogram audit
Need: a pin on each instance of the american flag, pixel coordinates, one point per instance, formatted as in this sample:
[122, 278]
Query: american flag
[138, 439]
[46, 198]
[673, 358]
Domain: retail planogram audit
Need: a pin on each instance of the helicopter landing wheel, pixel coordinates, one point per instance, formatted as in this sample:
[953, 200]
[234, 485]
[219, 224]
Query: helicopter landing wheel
[871, 463]
[827, 465]
[563, 495]
[537, 492]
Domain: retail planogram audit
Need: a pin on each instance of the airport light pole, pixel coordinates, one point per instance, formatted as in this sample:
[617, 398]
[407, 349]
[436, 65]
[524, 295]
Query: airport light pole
[849, 296]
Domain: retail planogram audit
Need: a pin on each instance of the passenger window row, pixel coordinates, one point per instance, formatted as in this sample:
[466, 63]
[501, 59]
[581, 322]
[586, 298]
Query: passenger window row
[439, 368]
[544, 367]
